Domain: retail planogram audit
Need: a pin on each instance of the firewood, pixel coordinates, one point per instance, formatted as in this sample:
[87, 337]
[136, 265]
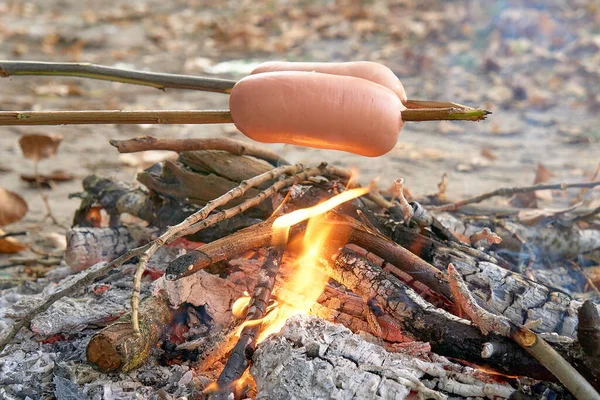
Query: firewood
[531, 342]
[117, 349]
[314, 359]
[237, 147]
[497, 289]
[236, 168]
[448, 335]
[175, 180]
[88, 246]
[242, 352]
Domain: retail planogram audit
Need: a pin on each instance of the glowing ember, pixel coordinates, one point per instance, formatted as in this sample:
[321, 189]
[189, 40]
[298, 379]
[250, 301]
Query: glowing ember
[308, 280]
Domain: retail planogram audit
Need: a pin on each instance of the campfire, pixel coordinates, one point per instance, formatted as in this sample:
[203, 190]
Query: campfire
[291, 280]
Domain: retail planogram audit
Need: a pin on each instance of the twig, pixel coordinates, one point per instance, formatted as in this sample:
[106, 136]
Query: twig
[530, 341]
[253, 237]
[510, 191]
[144, 143]
[242, 352]
[177, 231]
[260, 235]
[115, 117]
[86, 70]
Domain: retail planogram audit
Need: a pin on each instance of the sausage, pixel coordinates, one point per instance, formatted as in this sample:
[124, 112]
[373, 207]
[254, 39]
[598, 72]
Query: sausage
[317, 110]
[368, 70]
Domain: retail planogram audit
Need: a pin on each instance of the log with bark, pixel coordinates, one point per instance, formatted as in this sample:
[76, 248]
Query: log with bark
[117, 349]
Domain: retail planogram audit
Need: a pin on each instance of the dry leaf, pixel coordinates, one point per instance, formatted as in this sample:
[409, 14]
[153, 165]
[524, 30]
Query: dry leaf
[39, 147]
[48, 180]
[542, 175]
[487, 153]
[10, 245]
[524, 200]
[12, 207]
[532, 217]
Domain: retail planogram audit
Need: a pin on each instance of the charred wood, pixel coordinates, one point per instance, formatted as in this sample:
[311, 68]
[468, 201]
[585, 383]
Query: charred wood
[241, 354]
[447, 334]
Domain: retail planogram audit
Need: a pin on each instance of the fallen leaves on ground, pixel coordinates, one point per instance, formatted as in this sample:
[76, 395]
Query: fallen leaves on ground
[10, 245]
[39, 147]
[12, 207]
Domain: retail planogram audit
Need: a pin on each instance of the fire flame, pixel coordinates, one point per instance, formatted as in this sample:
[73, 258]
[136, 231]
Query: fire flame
[308, 280]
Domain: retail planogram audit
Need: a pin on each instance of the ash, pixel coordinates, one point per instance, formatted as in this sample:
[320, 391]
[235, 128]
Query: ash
[48, 360]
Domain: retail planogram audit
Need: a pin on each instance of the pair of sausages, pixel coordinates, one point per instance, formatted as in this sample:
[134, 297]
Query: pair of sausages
[354, 107]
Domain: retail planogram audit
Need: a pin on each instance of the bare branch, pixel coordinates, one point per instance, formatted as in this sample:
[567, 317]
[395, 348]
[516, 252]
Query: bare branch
[510, 191]
[85, 70]
[114, 117]
[144, 143]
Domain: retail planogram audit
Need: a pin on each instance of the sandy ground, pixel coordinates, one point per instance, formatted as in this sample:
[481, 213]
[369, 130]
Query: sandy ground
[462, 51]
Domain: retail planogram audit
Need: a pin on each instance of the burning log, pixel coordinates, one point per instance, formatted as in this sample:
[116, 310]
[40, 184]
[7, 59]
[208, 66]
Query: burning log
[313, 359]
[447, 334]
[242, 352]
[117, 349]
[531, 342]
[496, 289]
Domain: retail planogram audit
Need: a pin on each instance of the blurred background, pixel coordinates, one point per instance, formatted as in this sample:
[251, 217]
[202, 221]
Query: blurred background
[535, 64]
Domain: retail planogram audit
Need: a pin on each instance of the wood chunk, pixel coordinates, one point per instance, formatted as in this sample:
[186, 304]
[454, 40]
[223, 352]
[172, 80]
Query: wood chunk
[231, 166]
[117, 349]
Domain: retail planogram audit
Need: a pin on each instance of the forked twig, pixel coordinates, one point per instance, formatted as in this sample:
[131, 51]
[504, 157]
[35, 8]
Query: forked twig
[514, 190]
[529, 340]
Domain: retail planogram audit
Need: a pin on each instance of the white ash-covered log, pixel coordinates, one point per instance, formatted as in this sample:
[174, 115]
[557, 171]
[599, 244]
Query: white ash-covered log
[314, 359]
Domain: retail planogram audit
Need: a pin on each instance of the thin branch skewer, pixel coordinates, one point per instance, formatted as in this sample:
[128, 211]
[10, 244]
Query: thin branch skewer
[85, 70]
[164, 117]
[160, 117]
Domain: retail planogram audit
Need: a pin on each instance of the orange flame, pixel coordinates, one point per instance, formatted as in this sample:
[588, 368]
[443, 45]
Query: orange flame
[240, 306]
[308, 280]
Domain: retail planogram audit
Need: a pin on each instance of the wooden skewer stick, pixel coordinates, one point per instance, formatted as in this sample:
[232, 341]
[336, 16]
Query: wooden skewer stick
[86, 70]
[196, 116]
